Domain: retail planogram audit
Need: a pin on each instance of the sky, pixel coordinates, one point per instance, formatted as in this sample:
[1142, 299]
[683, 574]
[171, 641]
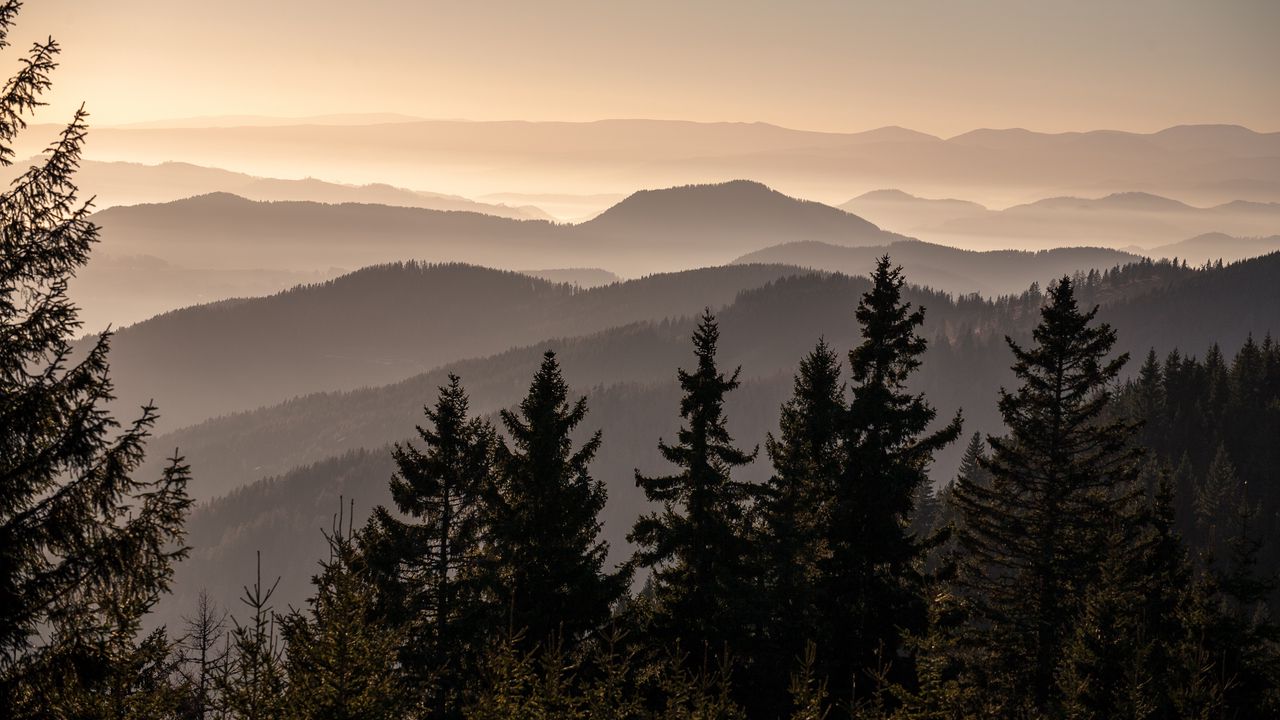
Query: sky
[939, 67]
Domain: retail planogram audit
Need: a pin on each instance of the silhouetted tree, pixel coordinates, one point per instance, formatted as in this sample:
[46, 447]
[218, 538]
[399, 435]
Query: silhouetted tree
[428, 568]
[341, 658]
[697, 544]
[252, 683]
[793, 512]
[546, 556]
[86, 549]
[1037, 537]
[872, 583]
[203, 654]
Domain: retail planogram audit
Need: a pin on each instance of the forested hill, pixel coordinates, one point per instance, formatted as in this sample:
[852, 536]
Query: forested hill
[991, 273]
[628, 375]
[379, 325]
[650, 231]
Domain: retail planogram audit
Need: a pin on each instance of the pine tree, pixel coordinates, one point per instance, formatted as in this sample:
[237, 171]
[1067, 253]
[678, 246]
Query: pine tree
[1036, 538]
[85, 548]
[341, 658]
[203, 656]
[427, 568]
[697, 544]
[547, 559]
[793, 510]
[1217, 499]
[252, 682]
[872, 580]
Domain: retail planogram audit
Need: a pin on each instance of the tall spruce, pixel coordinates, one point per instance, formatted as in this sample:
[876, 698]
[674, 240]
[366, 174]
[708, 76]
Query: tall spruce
[697, 543]
[793, 512]
[427, 567]
[546, 556]
[1036, 537]
[86, 549]
[872, 584]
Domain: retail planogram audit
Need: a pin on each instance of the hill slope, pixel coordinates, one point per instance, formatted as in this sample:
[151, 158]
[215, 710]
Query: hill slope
[991, 273]
[379, 325]
[628, 375]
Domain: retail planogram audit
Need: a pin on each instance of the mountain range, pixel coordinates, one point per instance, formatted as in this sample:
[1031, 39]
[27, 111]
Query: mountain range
[1200, 164]
[1117, 220]
[325, 444]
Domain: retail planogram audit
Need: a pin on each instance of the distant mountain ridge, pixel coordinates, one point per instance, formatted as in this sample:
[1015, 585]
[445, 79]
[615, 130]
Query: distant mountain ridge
[649, 231]
[126, 183]
[1205, 164]
[990, 273]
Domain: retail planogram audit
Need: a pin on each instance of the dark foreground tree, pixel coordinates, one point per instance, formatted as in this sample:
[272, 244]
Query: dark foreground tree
[697, 544]
[794, 508]
[546, 559]
[427, 567]
[872, 585]
[341, 658]
[1061, 494]
[85, 548]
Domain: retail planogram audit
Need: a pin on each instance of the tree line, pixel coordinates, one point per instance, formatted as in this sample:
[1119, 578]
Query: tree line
[1087, 562]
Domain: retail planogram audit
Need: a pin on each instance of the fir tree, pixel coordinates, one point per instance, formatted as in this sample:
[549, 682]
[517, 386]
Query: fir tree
[1037, 537]
[427, 568]
[547, 558]
[872, 581]
[793, 510]
[85, 547]
[340, 657]
[697, 543]
[203, 655]
[252, 682]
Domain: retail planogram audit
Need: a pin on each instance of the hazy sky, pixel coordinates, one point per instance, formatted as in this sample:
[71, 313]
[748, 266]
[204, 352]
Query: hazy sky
[941, 67]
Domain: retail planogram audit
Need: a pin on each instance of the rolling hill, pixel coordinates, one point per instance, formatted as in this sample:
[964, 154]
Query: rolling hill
[379, 325]
[1116, 220]
[1203, 164]
[990, 273]
[313, 445]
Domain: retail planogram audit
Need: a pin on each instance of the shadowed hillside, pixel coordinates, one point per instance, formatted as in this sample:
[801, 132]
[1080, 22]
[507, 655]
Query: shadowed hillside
[991, 273]
[628, 376]
[379, 325]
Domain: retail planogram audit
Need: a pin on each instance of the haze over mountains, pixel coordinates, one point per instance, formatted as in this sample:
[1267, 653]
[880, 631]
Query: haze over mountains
[1118, 220]
[1200, 164]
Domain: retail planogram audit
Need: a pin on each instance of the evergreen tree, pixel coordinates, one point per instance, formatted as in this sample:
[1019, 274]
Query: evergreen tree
[942, 534]
[85, 547]
[1036, 538]
[340, 656]
[697, 544]
[203, 656]
[872, 582]
[427, 568]
[252, 682]
[547, 559]
[793, 510]
[1217, 498]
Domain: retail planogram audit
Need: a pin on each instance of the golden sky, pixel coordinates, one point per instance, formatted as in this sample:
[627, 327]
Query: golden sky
[940, 67]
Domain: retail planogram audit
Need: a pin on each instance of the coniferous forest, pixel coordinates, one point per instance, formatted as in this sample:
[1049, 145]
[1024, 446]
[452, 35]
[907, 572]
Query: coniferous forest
[1110, 552]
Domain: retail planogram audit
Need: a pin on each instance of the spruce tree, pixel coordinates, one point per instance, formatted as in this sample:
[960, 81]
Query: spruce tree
[872, 587]
[1036, 538]
[86, 548]
[203, 655]
[341, 658]
[546, 559]
[793, 510]
[697, 543]
[426, 567]
[252, 684]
